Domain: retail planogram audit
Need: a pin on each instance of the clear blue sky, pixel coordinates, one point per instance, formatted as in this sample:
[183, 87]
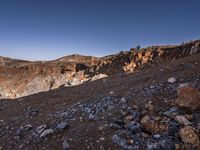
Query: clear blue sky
[48, 29]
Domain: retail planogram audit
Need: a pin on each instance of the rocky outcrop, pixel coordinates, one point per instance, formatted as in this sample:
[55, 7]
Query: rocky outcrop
[144, 58]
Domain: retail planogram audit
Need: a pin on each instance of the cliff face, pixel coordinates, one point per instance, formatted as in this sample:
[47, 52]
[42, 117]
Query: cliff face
[133, 60]
[21, 78]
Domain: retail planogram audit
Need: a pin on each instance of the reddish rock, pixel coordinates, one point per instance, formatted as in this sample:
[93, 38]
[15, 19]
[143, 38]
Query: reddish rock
[153, 126]
[188, 97]
[188, 136]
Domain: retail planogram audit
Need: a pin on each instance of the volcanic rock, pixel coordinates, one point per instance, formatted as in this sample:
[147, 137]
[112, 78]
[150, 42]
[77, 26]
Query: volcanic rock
[151, 125]
[188, 97]
[189, 136]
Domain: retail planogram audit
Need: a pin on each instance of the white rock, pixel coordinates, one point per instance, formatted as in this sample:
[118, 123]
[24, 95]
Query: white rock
[41, 128]
[46, 132]
[99, 76]
[171, 80]
[156, 136]
[183, 85]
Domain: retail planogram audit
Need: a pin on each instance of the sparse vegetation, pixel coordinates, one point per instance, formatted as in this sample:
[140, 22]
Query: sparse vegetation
[138, 47]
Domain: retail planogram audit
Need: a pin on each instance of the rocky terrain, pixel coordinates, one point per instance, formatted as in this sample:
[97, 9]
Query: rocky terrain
[147, 99]
[20, 78]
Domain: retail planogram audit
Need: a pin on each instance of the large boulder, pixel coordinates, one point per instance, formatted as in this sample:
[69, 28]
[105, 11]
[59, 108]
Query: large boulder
[188, 97]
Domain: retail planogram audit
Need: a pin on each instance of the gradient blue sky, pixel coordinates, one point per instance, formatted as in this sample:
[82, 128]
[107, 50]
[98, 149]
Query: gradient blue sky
[48, 29]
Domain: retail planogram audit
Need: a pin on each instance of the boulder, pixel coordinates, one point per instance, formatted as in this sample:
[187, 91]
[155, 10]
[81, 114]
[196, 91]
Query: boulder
[188, 97]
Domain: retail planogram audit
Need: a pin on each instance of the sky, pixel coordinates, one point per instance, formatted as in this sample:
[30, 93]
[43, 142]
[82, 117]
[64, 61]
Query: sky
[49, 29]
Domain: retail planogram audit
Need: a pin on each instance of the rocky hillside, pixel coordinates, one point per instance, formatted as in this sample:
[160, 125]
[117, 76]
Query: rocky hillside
[20, 78]
[134, 100]
[156, 108]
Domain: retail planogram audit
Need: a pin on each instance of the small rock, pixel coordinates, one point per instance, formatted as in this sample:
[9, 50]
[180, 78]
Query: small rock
[32, 111]
[92, 117]
[120, 141]
[21, 146]
[182, 120]
[27, 127]
[81, 119]
[145, 119]
[156, 136]
[100, 128]
[41, 128]
[62, 126]
[65, 145]
[171, 80]
[189, 136]
[123, 100]
[19, 132]
[133, 127]
[130, 141]
[145, 135]
[102, 139]
[188, 97]
[149, 106]
[111, 93]
[128, 118]
[115, 126]
[170, 111]
[46, 132]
